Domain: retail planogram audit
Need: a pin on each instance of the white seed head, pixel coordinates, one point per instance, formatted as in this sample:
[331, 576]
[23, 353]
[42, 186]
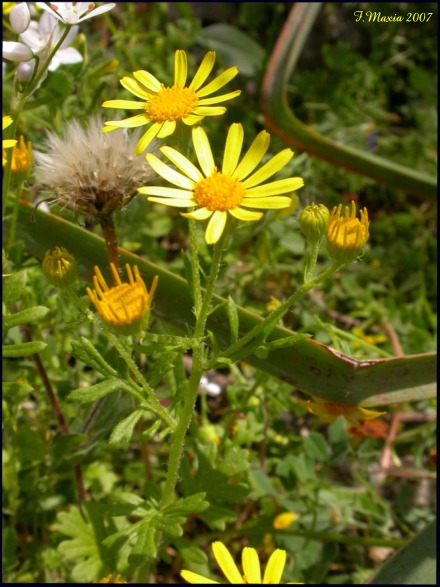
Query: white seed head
[91, 172]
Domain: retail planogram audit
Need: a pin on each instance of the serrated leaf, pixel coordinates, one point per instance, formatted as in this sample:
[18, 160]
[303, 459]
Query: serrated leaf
[84, 545]
[86, 352]
[216, 517]
[231, 309]
[24, 316]
[87, 395]
[218, 487]
[123, 431]
[235, 461]
[23, 349]
[191, 554]
[186, 506]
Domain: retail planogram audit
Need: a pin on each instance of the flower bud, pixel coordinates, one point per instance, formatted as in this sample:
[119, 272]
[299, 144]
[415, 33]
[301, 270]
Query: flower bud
[20, 18]
[24, 71]
[313, 221]
[16, 51]
[59, 267]
[347, 236]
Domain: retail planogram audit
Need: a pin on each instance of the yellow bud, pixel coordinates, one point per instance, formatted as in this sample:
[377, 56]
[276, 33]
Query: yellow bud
[347, 235]
[59, 267]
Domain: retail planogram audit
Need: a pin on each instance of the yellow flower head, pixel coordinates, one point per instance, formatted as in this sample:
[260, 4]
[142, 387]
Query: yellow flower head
[330, 411]
[251, 567]
[126, 305]
[21, 156]
[6, 143]
[347, 235]
[164, 106]
[283, 521]
[59, 267]
[229, 191]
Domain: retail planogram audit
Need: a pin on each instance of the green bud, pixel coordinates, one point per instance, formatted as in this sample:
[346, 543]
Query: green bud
[313, 221]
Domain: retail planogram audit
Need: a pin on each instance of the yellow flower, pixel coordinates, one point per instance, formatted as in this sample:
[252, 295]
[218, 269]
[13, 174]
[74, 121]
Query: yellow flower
[283, 521]
[126, 305]
[21, 156]
[6, 143]
[347, 236]
[251, 567]
[59, 267]
[369, 338]
[231, 190]
[272, 304]
[330, 411]
[112, 579]
[165, 106]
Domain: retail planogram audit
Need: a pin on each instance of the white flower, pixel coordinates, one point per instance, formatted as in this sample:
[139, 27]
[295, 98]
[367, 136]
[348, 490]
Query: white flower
[16, 51]
[47, 31]
[72, 12]
[90, 172]
[20, 17]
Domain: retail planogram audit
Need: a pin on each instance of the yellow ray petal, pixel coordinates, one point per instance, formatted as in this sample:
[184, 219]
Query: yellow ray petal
[182, 163]
[214, 231]
[169, 174]
[203, 151]
[223, 557]
[148, 80]
[269, 168]
[275, 567]
[204, 70]
[253, 156]
[273, 188]
[234, 144]
[269, 203]
[251, 565]
[180, 68]
[218, 82]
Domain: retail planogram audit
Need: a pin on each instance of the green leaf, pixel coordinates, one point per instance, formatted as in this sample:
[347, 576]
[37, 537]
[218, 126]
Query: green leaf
[218, 486]
[86, 352]
[24, 316]
[123, 431]
[23, 349]
[235, 48]
[316, 446]
[87, 395]
[14, 288]
[235, 461]
[231, 310]
[414, 564]
[84, 544]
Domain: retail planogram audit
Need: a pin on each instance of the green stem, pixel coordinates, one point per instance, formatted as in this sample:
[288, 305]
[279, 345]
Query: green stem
[111, 241]
[274, 317]
[198, 367]
[14, 215]
[195, 267]
[310, 260]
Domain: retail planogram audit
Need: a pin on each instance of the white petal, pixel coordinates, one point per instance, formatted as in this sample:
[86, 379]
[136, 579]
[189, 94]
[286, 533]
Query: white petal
[16, 51]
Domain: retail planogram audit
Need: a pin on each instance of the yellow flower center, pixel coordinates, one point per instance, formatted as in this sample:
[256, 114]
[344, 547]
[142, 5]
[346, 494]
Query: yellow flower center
[171, 104]
[219, 192]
